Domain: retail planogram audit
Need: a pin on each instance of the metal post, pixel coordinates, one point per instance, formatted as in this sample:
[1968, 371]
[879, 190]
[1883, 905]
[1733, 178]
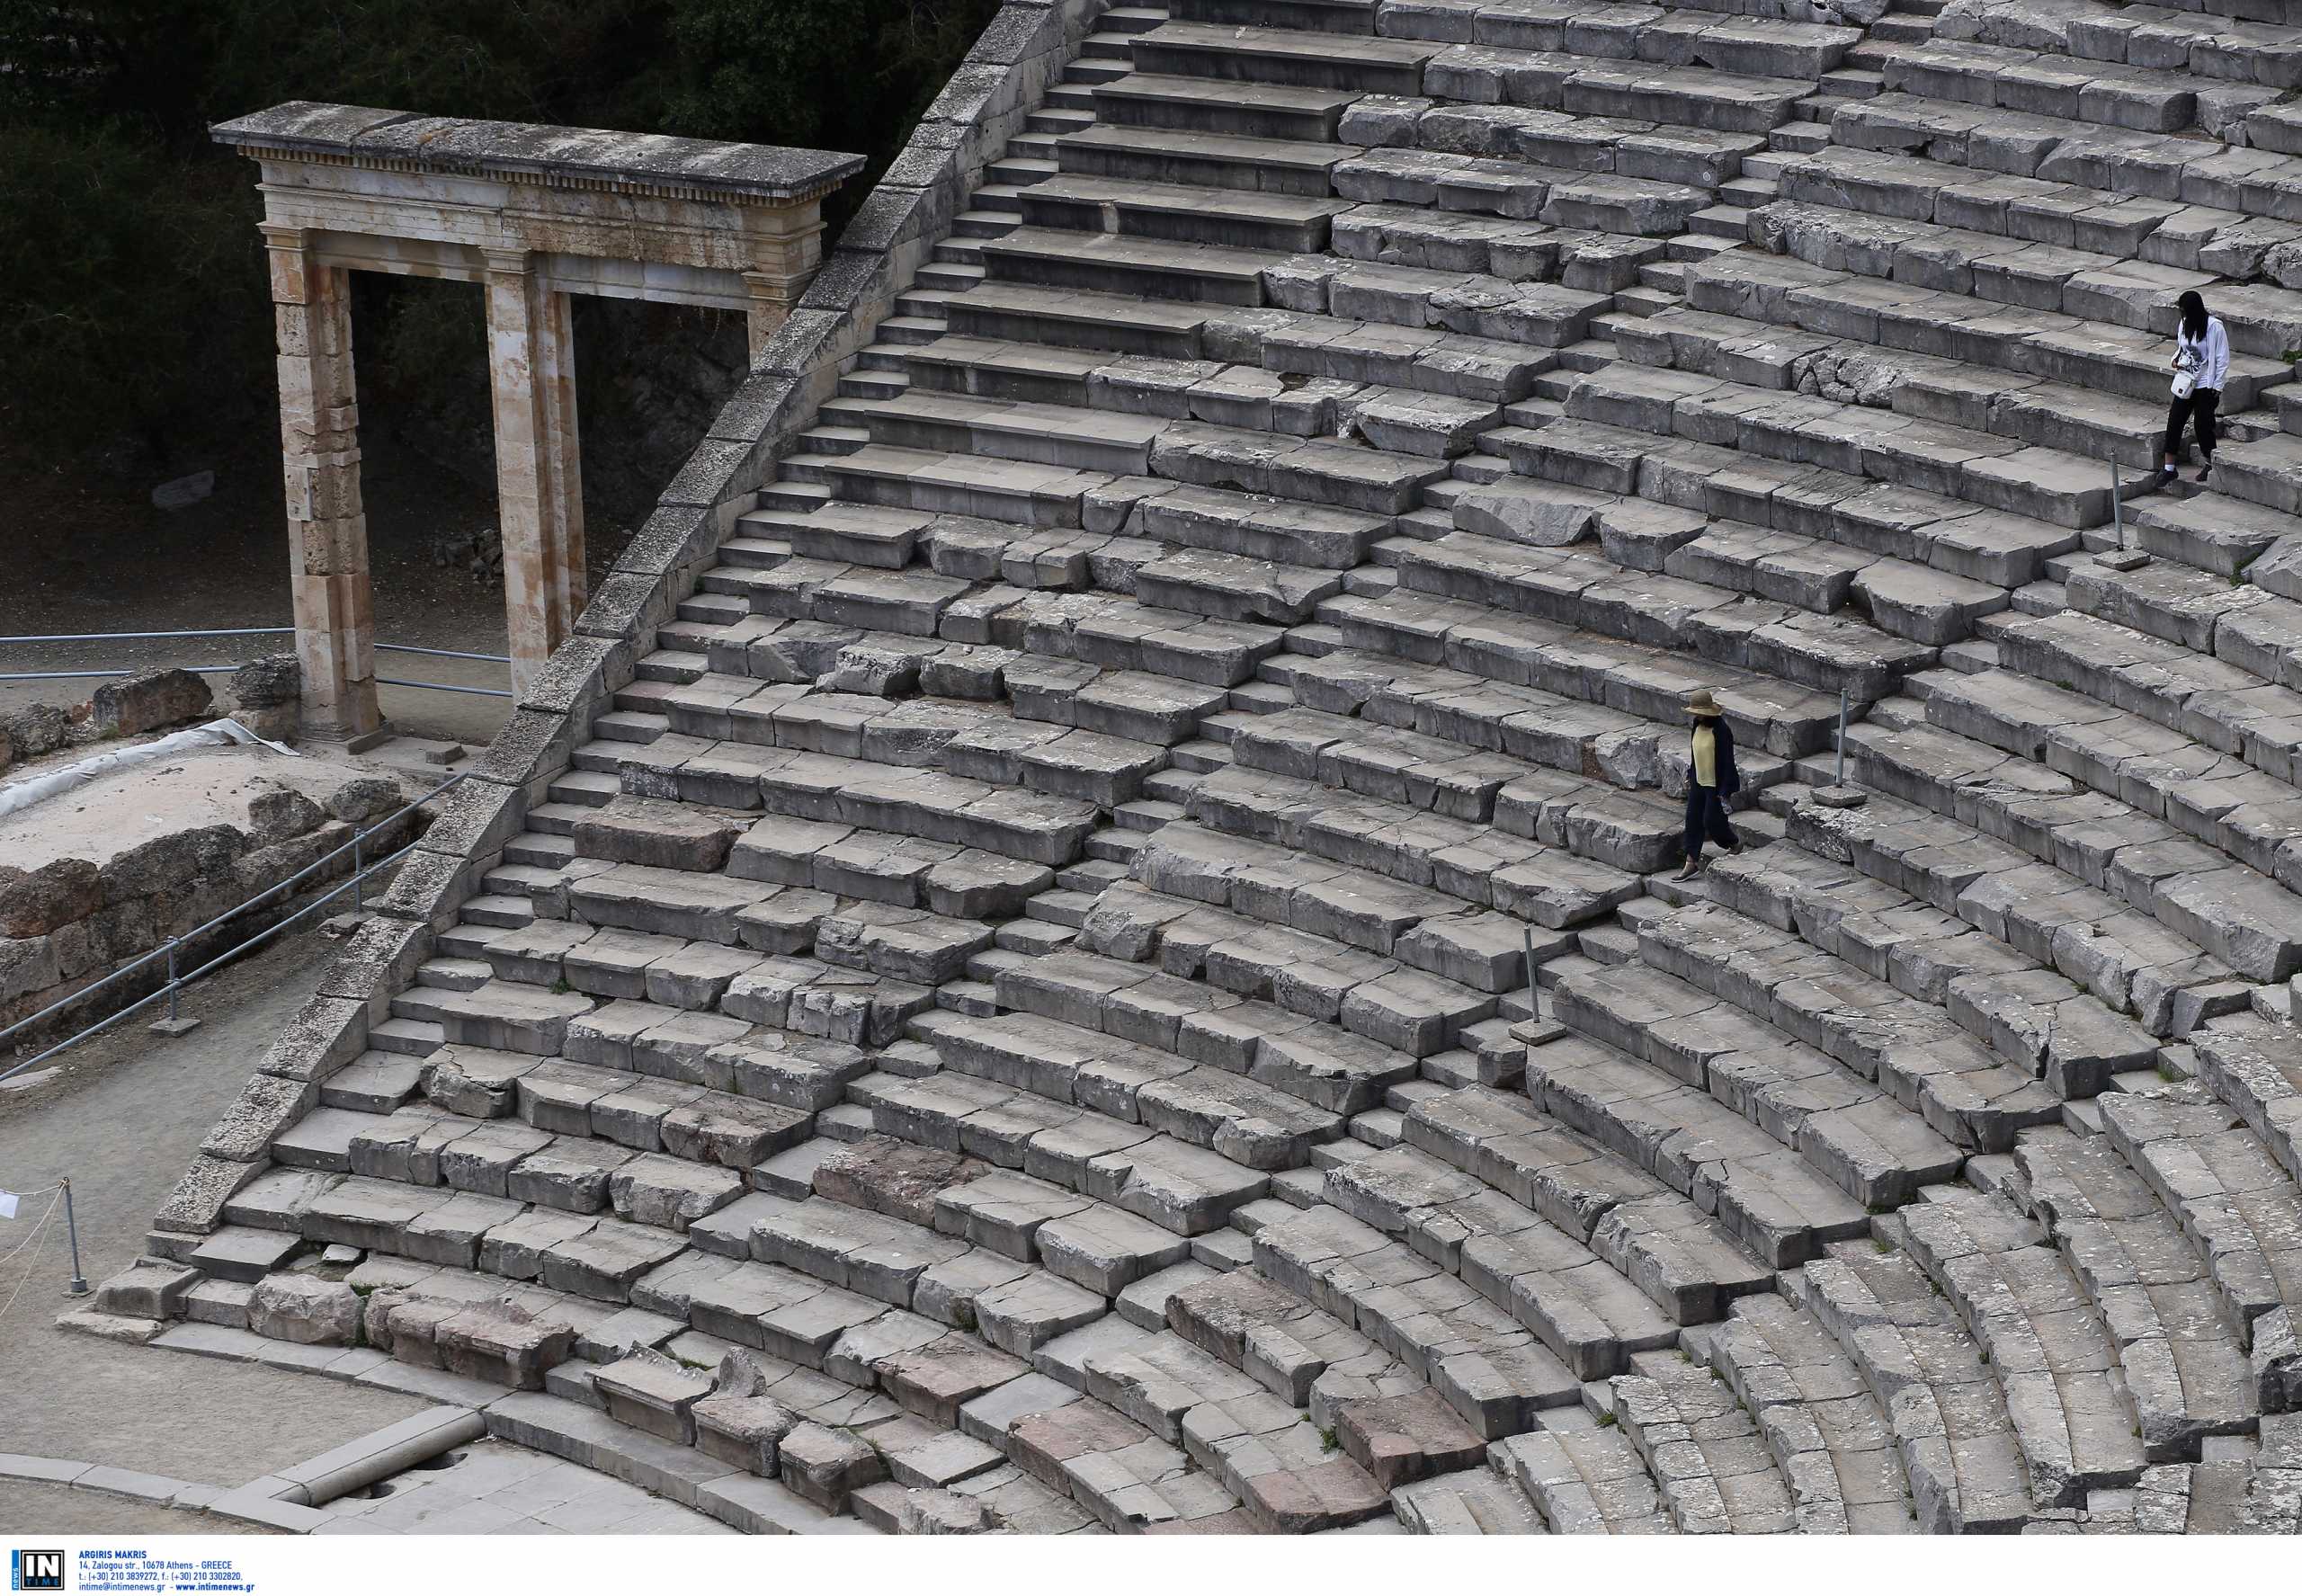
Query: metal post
[1838, 778]
[79, 1287]
[359, 891]
[1534, 999]
[172, 978]
[2117, 507]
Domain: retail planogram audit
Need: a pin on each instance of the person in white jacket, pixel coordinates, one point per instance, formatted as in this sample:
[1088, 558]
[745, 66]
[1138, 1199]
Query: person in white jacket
[2201, 354]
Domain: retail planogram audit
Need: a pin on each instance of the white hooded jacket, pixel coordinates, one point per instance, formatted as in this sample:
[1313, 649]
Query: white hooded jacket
[2208, 357]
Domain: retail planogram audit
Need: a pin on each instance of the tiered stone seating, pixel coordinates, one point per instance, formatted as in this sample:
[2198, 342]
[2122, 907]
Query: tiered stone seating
[1116, 965]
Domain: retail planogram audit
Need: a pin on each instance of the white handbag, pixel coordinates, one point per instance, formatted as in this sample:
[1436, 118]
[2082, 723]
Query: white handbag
[2185, 384]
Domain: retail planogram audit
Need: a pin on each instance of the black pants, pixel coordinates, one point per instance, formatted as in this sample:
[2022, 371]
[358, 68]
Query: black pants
[2201, 404]
[1706, 816]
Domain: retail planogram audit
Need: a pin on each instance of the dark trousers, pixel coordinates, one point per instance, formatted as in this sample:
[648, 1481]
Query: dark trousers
[1706, 816]
[2200, 405]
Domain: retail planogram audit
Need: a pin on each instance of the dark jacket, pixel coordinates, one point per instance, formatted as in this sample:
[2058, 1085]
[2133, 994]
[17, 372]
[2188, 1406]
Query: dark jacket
[1730, 779]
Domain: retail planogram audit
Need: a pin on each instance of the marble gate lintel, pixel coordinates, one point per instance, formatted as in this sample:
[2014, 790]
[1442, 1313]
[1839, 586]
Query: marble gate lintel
[532, 214]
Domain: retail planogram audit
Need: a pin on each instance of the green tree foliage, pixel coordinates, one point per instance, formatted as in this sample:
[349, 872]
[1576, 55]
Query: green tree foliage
[131, 276]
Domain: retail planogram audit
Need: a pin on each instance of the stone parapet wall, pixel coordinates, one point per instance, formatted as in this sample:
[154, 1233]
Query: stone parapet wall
[68, 923]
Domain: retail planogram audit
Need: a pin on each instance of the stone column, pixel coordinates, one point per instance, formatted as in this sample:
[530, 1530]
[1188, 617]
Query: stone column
[538, 480]
[328, 527]
[771, 295]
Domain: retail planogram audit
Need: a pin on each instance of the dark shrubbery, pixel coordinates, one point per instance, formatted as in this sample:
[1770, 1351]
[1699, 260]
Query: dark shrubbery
[132, 298]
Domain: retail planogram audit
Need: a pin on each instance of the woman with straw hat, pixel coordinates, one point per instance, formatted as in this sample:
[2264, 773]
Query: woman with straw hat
[1711, 780]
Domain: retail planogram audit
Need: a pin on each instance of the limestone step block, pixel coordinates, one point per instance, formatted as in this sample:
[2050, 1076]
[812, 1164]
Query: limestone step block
[2257, 1069]
[1259, 1125]
[1084, 318]
[1540, 1273]
[2249, 627]
[1825, 1431]
[1314, 472]
[2234, 1203]
[1984, 394]
[1554, 584]
[1488, 867]
[849, 534]
[1393, 764]
[1020, 492]
[1265, 1331]
[1399, 1439]
[1427, 360]
[1026, 826]
[1948, 1414]
[2225, 536]
[1259, 110]
[234, 1252]
[1229, 588]
[2049, 1349]
[2233, 913]
[1111, 263]
[652, 832]
[2123, 955]
[2225, 704]
[1714, 1470]
[670, 903]
[1155, 1378]
[1052, 435]
[1469, 648]
[1887, 934]
[857, 1008]
[1219, 521]
[903, 944]
[1104, 187]
[1226, 162]
[1914, 1051]
[1541, 315]
[510, 1016]
[1995, 473]
[155, 1288]
[1585, 1479]
[1183, 1187]
[1640, 150]
[1491, 1371]
[1130, 1479]
[2221, 798]
[1265, 54]
[2115, 94]
[1475, 1501]
[1765, 1194]
[1451, 182]
[871, 1254]
[2185, 1364]
[1879, 1153]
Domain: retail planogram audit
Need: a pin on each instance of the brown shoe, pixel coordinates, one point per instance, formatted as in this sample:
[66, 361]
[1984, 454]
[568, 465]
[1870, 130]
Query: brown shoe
[1693, 869]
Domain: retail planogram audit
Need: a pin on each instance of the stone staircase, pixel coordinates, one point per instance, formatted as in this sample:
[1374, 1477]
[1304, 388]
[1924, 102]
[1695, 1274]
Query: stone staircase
[1116, 965]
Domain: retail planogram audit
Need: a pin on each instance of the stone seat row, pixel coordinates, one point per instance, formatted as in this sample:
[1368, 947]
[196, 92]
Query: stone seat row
[2073, 417]
[1903, 450]
[2230, 700]
[793, 1312]
[2239, 914]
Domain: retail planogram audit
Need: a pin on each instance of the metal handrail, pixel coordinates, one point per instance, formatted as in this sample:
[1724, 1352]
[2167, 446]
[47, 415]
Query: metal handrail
[486, 693]
[237, 632]
[175, 983]
[80, 675]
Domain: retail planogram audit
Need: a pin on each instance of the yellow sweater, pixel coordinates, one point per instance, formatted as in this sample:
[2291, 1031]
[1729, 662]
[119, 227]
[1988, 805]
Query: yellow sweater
[1706, 756]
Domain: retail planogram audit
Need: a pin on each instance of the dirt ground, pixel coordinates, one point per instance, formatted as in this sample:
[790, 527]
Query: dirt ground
[88, 553]
[122, 1122]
